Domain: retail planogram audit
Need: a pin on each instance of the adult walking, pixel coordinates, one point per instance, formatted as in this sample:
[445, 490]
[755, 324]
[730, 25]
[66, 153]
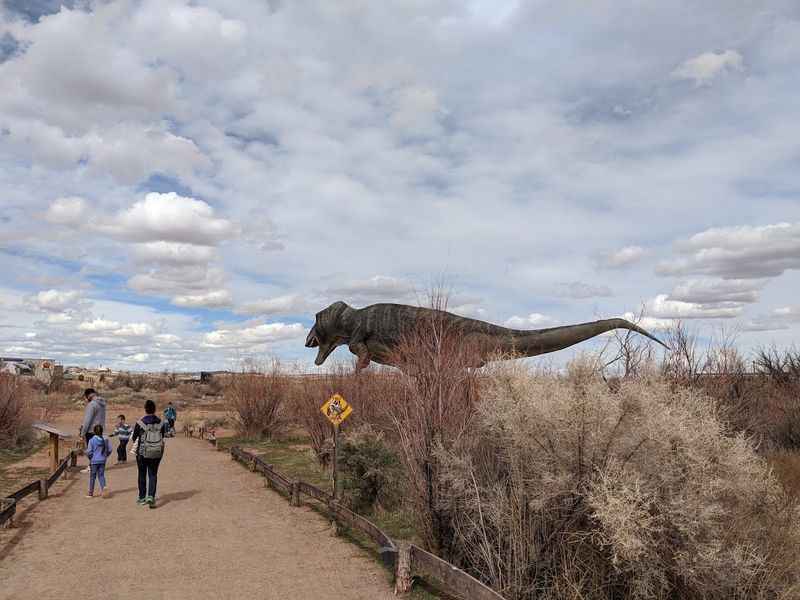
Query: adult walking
[149, 433]
[94, 414]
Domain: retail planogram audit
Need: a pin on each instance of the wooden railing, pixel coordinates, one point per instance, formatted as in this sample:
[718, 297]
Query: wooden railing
[407, 560]
[8, 505]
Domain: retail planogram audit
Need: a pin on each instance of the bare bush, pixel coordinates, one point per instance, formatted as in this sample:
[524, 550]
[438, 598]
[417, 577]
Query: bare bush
[256, 400]
[684, 362]
[15, 399]
[569, 490]
[432, 411]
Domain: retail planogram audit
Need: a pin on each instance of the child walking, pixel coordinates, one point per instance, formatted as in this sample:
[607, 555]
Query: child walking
[124, 432]
[98, 451]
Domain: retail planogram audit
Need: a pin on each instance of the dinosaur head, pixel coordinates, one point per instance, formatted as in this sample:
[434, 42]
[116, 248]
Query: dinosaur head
[327, 333]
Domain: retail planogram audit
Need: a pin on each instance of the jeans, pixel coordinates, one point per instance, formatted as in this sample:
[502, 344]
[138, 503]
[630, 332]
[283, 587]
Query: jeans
[147, 467]
[121, 455]
[97, 471]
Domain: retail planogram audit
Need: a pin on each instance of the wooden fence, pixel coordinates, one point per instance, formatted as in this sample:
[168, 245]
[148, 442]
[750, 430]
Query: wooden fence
[8, 505]
[407, 560]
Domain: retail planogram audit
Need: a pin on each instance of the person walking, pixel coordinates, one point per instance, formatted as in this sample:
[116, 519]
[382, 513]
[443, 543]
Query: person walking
[123, 430]
[148, 435]
[170, 414]
[94, 414]
[98, 450]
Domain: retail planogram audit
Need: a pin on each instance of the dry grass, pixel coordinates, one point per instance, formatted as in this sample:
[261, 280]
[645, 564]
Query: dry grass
[15, 414]
[256, 400]
[570, 490]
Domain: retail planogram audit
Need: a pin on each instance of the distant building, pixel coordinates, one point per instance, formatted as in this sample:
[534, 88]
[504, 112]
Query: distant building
[43, 369]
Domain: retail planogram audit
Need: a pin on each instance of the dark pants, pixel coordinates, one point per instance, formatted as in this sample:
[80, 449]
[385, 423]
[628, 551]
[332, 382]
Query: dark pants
[88, 436]
[171, 423]
[121, 455]
[148, 467]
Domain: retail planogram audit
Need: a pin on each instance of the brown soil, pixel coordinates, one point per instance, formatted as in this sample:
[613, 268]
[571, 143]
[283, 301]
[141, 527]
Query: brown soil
[216, 533]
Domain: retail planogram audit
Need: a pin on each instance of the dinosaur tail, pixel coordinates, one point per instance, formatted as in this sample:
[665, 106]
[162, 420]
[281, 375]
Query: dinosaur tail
[542, 341]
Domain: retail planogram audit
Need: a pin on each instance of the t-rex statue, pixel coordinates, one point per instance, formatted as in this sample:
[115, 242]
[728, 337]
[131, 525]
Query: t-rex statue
[375, 332]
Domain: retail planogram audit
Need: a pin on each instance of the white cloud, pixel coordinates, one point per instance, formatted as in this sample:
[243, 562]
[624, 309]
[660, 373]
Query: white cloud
[134, 330]
[56, 300]
[702, 69]
[166, 338]
[173, 253]
[139, 357]
[532, 321]
[98, 325]
[252, 336]
[212, 299]
[279, 305]
[66, 211]
[650, 323]
[704, 291]
[581, 290]
[60, 317]
[745, 252]
[664, 308]
[621, 258]
[170, 218]
[379, 288]
[175, 280]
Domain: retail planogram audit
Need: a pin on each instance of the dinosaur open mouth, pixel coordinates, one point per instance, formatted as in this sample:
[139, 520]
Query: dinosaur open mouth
[312, 341]
[324, 352]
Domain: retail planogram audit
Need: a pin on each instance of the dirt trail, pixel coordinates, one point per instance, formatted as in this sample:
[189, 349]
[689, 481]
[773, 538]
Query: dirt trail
[217, 533]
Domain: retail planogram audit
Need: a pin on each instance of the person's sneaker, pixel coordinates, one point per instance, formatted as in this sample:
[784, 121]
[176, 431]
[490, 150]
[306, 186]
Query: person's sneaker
[86, 470]
[89, 496]
[151, 502]
[141, 501]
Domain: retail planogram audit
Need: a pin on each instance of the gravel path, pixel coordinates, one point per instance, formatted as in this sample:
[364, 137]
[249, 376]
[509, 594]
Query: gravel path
[217, 533]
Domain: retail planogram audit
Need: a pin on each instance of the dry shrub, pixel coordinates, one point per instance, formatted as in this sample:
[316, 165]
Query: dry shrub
[369, 468]
[15, 397]
[256, 400]
[432, 409]
[570, 490]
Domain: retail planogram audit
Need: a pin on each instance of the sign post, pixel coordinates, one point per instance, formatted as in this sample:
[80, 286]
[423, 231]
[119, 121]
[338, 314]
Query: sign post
[336, 410]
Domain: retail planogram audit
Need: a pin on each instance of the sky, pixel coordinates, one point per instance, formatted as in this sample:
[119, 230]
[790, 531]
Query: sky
[185, 184]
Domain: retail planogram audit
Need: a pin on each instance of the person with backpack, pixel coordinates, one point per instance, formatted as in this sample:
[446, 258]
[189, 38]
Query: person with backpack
[148, 437]
[98, 450]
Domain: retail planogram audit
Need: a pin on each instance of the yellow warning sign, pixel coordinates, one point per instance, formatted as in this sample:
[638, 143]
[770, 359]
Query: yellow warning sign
[336, 409]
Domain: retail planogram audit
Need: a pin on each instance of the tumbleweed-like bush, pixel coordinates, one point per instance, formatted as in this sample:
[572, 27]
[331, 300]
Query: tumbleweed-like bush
[567, 489]
[15, 418]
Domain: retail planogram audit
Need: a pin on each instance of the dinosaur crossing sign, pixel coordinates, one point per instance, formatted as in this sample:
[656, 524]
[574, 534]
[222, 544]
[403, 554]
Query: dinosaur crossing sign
[336, 409]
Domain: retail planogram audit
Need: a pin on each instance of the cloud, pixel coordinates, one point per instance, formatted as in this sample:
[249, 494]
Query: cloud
[173, 253]
[56, 300]
[532, 321]
[744, 252]
[66, 211]
[134, 330]
[618, 259]
[170, 218]
[580, 290]
[252, 336]
[663, 308]
[375, 289]
[778, 319]
[706, 291]
[650, 323]
[704, 68]
[98, 325]
[212, 299]
[290, 304]
[139, 357]
[177, 280]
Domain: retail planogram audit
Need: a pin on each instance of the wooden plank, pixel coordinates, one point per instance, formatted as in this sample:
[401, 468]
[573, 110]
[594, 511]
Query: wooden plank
[59, 471]
[314, 492]
[32, 487]
[8, 508]
[386, 546]
[449, 578]
[53, 451]
[41, 425]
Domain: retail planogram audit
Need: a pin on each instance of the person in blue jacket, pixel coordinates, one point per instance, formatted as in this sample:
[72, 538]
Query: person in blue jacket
[98, 451]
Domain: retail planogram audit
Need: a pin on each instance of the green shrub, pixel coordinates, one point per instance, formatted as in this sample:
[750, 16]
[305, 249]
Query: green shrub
[369, 468]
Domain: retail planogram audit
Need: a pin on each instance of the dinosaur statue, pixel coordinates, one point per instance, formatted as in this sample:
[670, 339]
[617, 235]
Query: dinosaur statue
[375, 332]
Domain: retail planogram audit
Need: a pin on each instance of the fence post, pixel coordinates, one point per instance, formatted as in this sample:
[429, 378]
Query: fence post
[403, 578]
[73, 458]
[295, 494]
[42, 489]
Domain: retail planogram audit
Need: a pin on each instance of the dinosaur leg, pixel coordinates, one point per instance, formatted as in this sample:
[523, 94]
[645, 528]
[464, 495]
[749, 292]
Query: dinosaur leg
[362, 352]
